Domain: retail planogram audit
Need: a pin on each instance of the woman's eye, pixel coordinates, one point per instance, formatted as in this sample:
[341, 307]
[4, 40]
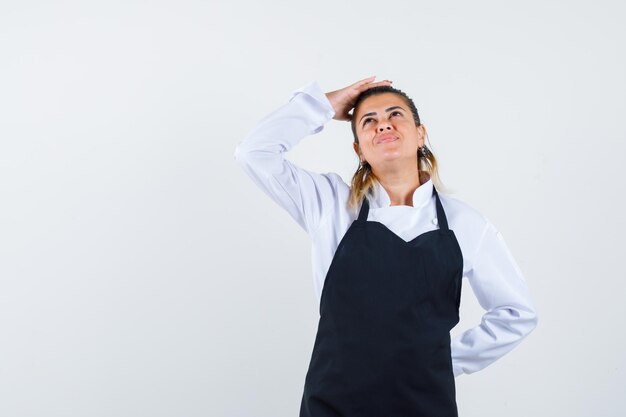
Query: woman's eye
[369, 118]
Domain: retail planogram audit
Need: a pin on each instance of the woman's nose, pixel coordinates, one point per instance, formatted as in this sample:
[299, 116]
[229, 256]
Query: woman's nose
[384, 126]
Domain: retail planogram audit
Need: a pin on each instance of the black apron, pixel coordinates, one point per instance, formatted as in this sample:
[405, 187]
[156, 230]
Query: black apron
[386, 310]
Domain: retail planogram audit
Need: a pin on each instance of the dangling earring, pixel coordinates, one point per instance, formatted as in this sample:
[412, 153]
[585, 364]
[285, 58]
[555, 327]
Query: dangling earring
[423, 151]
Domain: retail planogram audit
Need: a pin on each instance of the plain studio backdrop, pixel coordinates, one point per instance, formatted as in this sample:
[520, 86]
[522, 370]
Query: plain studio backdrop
[142, 273]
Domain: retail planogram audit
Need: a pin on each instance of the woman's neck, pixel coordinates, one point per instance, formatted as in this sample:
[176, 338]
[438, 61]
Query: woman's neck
[401, 188]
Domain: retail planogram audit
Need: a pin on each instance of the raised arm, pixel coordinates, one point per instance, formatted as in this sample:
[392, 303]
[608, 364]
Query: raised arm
[304, 194]
[500, 288]
[261, 154]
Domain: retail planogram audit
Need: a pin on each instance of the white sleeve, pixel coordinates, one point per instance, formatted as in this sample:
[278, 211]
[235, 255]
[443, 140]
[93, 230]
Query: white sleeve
[261, 154]
[501, 289]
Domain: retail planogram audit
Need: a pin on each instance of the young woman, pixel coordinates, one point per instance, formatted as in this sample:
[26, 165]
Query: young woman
[389, 254]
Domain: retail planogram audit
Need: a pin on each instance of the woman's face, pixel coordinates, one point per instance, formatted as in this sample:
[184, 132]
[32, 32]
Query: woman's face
[386, 130]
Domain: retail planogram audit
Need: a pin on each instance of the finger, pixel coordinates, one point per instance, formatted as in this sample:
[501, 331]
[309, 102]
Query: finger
[385, 82]
[368, 86]
[364, 81]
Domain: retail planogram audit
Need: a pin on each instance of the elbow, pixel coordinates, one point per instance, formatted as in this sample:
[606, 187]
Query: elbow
[534, 320]
[532, 316]
[529, 322]
[242, 155]
[258, 161]
[518, 321]
[247, 153]
[239, 153]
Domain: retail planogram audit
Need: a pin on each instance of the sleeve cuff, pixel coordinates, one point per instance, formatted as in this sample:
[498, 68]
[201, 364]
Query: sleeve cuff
[314, 90]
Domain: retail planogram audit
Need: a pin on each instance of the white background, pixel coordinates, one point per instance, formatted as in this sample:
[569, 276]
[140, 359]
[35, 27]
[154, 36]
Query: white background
[143, 274]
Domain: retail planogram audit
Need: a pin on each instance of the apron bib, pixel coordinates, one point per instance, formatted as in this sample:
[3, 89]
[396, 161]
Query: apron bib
[383, 341]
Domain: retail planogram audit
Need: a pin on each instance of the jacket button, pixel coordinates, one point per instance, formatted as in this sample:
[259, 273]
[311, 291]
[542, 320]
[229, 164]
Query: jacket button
[435, 221]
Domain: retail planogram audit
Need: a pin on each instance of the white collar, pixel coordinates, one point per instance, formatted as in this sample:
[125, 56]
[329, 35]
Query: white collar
[421, 195]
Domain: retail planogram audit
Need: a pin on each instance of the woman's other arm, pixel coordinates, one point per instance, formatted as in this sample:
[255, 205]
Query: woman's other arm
[501, 289]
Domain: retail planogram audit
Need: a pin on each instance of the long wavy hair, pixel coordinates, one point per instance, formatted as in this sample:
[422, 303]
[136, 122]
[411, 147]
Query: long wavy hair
[364, 180]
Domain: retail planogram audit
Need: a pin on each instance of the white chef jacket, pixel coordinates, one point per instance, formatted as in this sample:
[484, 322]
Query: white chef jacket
[318, 203]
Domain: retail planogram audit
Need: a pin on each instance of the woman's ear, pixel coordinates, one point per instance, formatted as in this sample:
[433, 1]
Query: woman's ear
[421, 129]
[355, 145]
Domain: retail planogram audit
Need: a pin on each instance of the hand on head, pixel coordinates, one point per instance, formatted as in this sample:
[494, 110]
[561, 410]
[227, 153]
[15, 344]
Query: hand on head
[343, 99]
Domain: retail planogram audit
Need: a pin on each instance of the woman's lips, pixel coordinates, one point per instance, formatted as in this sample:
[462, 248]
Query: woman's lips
[386, 138]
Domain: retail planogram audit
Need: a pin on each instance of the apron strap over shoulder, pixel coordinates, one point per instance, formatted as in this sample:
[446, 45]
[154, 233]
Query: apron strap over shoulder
[441, 215]
[364, 210]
